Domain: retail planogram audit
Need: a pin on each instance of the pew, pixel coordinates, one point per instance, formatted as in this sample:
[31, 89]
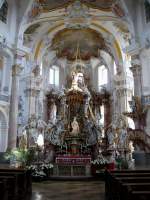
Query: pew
[18, 183]
[124, 185]
[3, 191]
[11, 186]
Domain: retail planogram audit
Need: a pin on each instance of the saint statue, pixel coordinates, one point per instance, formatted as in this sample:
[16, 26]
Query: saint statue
[75, 127]
[123, 138]
[87, 97]
[23, 140]
[41, 125]
[111, 138]
[53, 113]
[49, 126]
[55, 135]
[131, 150]
[32, 131]
[76, 79]
[91, 131]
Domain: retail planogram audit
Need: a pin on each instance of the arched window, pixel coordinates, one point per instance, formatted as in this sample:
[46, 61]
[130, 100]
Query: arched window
[3, 133]
[3, 12]
[102, 76]
[147, 10]
[54, 75]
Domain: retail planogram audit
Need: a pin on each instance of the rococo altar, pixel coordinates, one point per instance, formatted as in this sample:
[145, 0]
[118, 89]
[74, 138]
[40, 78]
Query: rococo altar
[73, 138]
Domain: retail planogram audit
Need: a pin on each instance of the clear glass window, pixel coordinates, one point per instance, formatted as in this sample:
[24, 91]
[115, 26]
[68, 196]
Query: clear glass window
[54, 76]
[102, 75]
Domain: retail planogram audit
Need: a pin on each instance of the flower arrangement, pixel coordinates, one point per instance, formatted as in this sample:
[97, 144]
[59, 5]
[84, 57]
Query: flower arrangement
[100, 160]
[40, 170]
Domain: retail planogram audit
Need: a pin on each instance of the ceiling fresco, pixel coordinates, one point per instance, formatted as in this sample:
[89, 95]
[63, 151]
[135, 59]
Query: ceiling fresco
[66, 41]
[43, 6]
[53, 4]
[77, 28]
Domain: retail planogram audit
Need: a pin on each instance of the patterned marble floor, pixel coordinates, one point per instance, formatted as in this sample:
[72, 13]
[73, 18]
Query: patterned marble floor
[68, 190]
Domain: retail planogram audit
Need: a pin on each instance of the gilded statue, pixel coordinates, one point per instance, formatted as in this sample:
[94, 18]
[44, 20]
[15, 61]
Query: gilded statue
[75, 127]
[76, 80]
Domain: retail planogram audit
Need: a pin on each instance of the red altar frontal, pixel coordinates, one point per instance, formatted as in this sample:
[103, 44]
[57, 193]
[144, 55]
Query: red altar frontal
[73, 166]
[73, 159]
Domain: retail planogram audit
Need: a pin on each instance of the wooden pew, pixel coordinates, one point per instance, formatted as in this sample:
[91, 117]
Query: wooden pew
[3, 191]
[140, 195]
[28, 177]
[129, 191]
[123, 186]
[11, 186]
[132, 175]
[21, 182]
[20, 179]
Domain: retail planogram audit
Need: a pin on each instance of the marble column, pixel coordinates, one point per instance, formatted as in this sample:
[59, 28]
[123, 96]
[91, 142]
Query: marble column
[136, 70]
[13, 116]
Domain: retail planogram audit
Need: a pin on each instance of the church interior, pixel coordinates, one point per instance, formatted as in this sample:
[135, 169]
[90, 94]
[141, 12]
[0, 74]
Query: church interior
[74, 99]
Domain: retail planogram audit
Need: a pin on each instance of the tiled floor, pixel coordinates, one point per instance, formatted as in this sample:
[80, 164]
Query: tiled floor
[68, 190]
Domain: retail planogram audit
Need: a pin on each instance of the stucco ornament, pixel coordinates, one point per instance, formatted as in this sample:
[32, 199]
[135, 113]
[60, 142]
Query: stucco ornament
[77, 15]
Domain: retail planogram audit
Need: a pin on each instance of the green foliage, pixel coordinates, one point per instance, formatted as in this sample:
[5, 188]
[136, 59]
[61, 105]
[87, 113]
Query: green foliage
[122, 163]
[19, 155]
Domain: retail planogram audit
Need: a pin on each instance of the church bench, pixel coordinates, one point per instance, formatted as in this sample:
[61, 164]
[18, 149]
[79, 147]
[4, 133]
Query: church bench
[20, 181]
[3, 191]
[139, 195]
[130, 171]
[11, 186]
[137, 186]
[116, 185]
[125, 184]
[131, 174]
[133, 179]
[24, 178]
[129, 191]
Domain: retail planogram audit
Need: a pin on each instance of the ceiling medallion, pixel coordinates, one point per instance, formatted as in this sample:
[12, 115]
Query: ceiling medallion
[77, 16]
